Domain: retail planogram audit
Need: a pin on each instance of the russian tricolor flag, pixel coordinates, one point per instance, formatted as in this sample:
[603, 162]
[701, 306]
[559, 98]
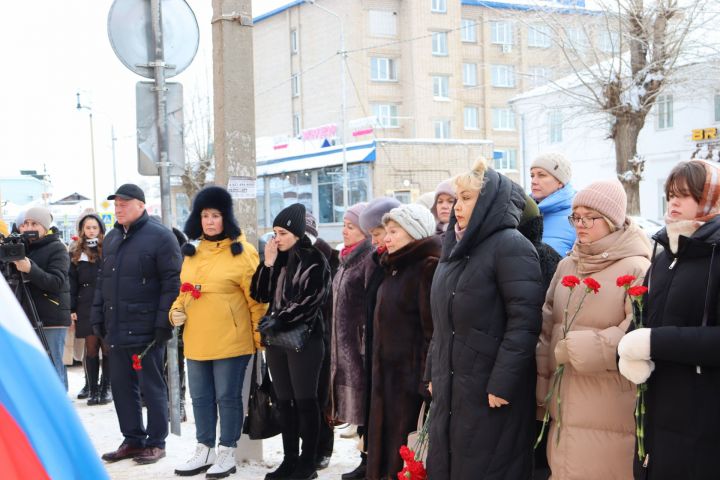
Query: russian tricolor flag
[41, 436]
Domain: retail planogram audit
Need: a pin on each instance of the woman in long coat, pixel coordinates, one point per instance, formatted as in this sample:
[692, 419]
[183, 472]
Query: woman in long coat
[682, 338]
[402, 330]
[486, 301]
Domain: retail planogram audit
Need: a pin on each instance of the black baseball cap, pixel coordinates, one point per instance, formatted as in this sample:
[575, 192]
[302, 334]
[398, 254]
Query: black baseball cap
[128, 191]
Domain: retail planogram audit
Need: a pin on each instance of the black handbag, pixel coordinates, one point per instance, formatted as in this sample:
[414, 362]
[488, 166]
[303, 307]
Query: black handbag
[291, 338]
[262, 419]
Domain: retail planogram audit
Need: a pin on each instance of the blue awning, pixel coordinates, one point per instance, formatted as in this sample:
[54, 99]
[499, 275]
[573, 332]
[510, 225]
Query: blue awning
[326, 157]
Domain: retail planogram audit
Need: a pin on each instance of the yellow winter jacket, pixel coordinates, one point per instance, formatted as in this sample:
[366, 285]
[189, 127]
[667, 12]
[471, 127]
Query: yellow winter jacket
[221, 322]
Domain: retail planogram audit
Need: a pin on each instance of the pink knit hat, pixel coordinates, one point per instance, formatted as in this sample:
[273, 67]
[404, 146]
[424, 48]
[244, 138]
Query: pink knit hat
[444, 188]
[606, 197]
[353, 213]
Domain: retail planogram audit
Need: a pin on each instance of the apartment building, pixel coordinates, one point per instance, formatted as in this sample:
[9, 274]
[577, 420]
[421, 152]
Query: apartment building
[414, 69]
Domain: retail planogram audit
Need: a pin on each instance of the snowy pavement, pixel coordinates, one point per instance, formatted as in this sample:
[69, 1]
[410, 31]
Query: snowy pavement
[101, 424]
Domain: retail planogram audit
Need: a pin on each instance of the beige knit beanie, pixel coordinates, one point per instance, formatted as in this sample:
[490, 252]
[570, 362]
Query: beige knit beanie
[606, 197]
[555, 164]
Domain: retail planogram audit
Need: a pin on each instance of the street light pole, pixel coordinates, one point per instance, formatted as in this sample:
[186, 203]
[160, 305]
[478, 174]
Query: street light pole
[343, 99]
[92, 147]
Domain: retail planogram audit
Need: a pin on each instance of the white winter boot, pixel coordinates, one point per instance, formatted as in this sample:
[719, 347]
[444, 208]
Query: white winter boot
[203, 459]
[224, 464]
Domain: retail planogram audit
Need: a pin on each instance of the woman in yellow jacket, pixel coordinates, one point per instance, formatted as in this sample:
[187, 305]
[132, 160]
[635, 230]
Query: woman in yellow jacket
[220, 321]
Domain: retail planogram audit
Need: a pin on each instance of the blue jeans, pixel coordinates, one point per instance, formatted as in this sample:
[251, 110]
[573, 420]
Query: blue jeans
[216, 386]
[56, 340]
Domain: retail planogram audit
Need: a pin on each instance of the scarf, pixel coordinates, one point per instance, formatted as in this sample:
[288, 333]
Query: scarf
[348, 250]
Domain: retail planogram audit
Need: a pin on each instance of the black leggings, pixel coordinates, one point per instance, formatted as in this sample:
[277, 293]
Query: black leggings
[295, 374]
[93, 345]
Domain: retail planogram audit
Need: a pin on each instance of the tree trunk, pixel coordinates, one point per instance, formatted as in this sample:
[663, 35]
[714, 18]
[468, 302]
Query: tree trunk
[627, 129]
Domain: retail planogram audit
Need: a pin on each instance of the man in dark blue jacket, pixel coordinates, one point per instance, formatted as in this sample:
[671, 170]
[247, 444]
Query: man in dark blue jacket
[139, 278]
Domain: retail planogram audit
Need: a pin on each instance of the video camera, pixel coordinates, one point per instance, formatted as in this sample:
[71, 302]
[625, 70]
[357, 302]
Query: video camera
[12, 247]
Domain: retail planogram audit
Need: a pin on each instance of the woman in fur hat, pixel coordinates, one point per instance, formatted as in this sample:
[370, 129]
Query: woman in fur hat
[402, 330]
[220, 319]
[85, 254]
[295, 280]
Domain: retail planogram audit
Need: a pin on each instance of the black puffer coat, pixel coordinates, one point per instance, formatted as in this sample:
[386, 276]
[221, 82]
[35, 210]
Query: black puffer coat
[682, 424]
[83, 276]
[138, 281]
[49, 283]
[486, 307]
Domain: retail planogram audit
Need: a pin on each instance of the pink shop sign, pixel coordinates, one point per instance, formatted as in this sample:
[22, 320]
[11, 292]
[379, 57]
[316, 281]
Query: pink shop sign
[325, 131]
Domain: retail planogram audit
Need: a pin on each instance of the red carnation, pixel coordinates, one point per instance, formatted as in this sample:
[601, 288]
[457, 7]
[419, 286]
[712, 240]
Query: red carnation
[195, 294]
[570, 281]
[591, 284]
[637, 291]
[136, 362]
[417, 470]
[404, 474]
[407, 454]
[625, 280]
[187, 287]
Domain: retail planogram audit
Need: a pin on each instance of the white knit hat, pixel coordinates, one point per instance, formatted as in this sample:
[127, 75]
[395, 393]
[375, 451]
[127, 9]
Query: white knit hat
[555, 164]
[415, 219]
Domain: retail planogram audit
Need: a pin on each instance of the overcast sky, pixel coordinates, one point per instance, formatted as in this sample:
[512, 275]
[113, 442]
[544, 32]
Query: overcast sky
[51, 50]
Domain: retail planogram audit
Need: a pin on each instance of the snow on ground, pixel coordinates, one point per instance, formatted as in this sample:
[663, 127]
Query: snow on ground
[101, 424]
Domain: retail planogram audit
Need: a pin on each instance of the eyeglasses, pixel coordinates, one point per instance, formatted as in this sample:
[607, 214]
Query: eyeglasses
[586, 222]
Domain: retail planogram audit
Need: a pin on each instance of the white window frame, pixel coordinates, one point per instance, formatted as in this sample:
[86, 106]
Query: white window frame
[502, 76]
[503, 119]
[297, 125]
[509, 160]
[386, 114]
[609, 42]
[576, 38]
[294, 45]
[470, 75]
[382, 23]
[471, 115]
[438, 6]
[501, 33]
[440, 44]
[664, 112]
[441, 87]
[295, 85]
[441, 128]
[539, 75]
[468, 30]
[539, 36]
[555, 126]
[383, 69]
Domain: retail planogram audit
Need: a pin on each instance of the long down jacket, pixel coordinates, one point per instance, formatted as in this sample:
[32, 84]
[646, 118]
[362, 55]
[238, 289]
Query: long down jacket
[222, 322]
[348, 373]
[486, 301]
[683, 396]
[49, 283]
[597, 431]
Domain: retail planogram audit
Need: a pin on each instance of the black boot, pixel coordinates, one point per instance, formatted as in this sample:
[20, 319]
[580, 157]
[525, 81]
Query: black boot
[105, 395]
[85, 392]
[290, 440]
[92, 367]
[359, 472]
[308, 412]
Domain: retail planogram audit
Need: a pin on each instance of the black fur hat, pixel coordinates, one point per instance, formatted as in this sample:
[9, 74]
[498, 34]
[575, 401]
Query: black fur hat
[219, 199]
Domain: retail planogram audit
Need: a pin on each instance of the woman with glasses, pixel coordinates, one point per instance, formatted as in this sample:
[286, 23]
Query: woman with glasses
[592, 429]
[550, 187]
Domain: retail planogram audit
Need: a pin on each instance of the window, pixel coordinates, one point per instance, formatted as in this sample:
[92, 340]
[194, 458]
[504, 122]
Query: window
[609, 42]
[438, 6]
[470, 115]
[293, 41]
[717, 107]
[502, 76]
[386, 114]
[501, 33]
[505, 159]
[539, 76]
[330, 190]
[383, 69]
[296, 125]
[402, 196]
[383, 23]
[442, 128]
[440, 87]
[468, 30]
[555, 123]
[576, 39]
[469, 74]
[287, 189]
[664, 105]
[260, 201]
[539, 36]
[503, 119]
[439, 43]
[295, 85]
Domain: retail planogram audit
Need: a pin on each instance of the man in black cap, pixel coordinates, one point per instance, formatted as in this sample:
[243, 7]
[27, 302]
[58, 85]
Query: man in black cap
[139, 278]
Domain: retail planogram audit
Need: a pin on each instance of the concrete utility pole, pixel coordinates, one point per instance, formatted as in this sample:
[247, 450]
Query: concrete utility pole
[234, 102]
[234, 126]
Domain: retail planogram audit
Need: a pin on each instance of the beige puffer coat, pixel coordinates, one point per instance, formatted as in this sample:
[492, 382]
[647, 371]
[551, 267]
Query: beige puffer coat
[598, 426]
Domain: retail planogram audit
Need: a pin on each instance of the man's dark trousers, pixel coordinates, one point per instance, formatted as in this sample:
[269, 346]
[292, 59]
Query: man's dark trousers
[126, 387]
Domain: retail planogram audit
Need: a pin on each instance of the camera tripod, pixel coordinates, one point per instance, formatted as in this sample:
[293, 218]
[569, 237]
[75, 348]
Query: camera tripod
[22, 293]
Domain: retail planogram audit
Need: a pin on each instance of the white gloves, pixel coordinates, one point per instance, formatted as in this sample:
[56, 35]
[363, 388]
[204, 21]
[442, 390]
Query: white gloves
[635, 345]
[637, 371]
[177, 318]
